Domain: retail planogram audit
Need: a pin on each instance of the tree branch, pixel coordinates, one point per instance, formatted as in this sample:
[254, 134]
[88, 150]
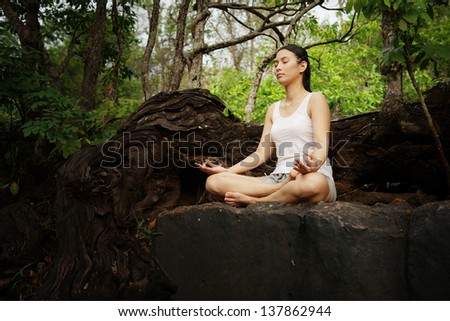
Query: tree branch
[70, 53]
[429, 118]
[332, 9]
[345, 38]
[12, 17]
[252, 10]
[238, 20]
[249, 36]
[239, 6]
[298, 16]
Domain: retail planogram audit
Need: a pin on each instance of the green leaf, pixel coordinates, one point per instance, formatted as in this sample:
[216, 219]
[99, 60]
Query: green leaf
[14, 188]
[349, 6]
[430, 12]
[395, 54]
[438, 50]
[419, 57]
[411, 16]
[27, 129]
[387, 3]
[424, 63]
[402, 25]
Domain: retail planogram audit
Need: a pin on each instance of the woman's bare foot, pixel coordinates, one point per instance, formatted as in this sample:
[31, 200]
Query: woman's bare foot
[236, 199]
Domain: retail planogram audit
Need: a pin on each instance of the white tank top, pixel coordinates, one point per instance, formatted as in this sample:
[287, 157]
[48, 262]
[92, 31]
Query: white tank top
[292, 135]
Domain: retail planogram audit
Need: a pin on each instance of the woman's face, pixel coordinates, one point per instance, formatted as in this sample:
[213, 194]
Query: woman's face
[287, 67]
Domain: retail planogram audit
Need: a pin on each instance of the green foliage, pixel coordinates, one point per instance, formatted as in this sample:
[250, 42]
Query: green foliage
[348, 75]
[14, 188]
[269, 92]
[429, 44]
[108, 117]
[421, 25]
[233, 86]
[68, 127]
[39, 121]
[271, 3]
[229, 85]
[61, 122]
[16, 80]
[145, 232]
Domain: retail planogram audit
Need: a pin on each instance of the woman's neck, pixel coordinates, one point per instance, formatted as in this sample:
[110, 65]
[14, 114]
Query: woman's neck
[295, 92]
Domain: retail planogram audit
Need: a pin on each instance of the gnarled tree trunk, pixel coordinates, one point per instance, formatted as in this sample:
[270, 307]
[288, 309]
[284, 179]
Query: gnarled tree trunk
[105, 193]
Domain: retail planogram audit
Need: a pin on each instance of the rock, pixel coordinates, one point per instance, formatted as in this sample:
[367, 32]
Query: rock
[337, 251]
[429, 252]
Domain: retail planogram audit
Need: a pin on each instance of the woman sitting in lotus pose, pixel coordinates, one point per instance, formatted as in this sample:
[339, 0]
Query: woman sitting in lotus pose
[297, 128]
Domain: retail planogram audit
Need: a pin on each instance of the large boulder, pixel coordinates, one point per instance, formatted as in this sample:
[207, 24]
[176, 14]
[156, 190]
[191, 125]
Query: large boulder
[329, 251]
[429, 252]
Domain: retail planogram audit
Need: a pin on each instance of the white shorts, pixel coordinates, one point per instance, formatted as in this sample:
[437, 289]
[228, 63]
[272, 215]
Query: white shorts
[274, 178]
[280, 177]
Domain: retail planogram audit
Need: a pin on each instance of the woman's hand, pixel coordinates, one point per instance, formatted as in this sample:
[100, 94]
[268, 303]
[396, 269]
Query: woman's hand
[209, 168]
[310, 163]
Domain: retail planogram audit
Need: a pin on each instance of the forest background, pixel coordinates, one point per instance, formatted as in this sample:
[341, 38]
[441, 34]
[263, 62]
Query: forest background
[72, 71]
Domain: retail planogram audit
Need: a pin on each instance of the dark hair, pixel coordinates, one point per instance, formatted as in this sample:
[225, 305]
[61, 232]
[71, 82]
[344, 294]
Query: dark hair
[302, 55]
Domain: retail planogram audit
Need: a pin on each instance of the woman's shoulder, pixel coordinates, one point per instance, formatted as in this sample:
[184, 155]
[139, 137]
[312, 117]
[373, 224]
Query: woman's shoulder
[317, 102]
[271, 110]
[273, 106]
[277, 103]
[317, 97]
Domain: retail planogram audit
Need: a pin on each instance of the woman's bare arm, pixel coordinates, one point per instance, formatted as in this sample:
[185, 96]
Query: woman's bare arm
[260, 156]
[264, 150]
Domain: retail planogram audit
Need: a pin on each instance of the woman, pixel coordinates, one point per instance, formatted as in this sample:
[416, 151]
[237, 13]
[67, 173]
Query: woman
[297, 129]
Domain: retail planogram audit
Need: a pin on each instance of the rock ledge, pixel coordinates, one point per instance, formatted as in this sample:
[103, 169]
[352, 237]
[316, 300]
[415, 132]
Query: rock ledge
[338, 251]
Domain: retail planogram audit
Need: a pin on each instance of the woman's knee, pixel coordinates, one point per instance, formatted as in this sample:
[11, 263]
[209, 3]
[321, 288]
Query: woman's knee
[313, 185]
[211, 183]
[215, 182]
